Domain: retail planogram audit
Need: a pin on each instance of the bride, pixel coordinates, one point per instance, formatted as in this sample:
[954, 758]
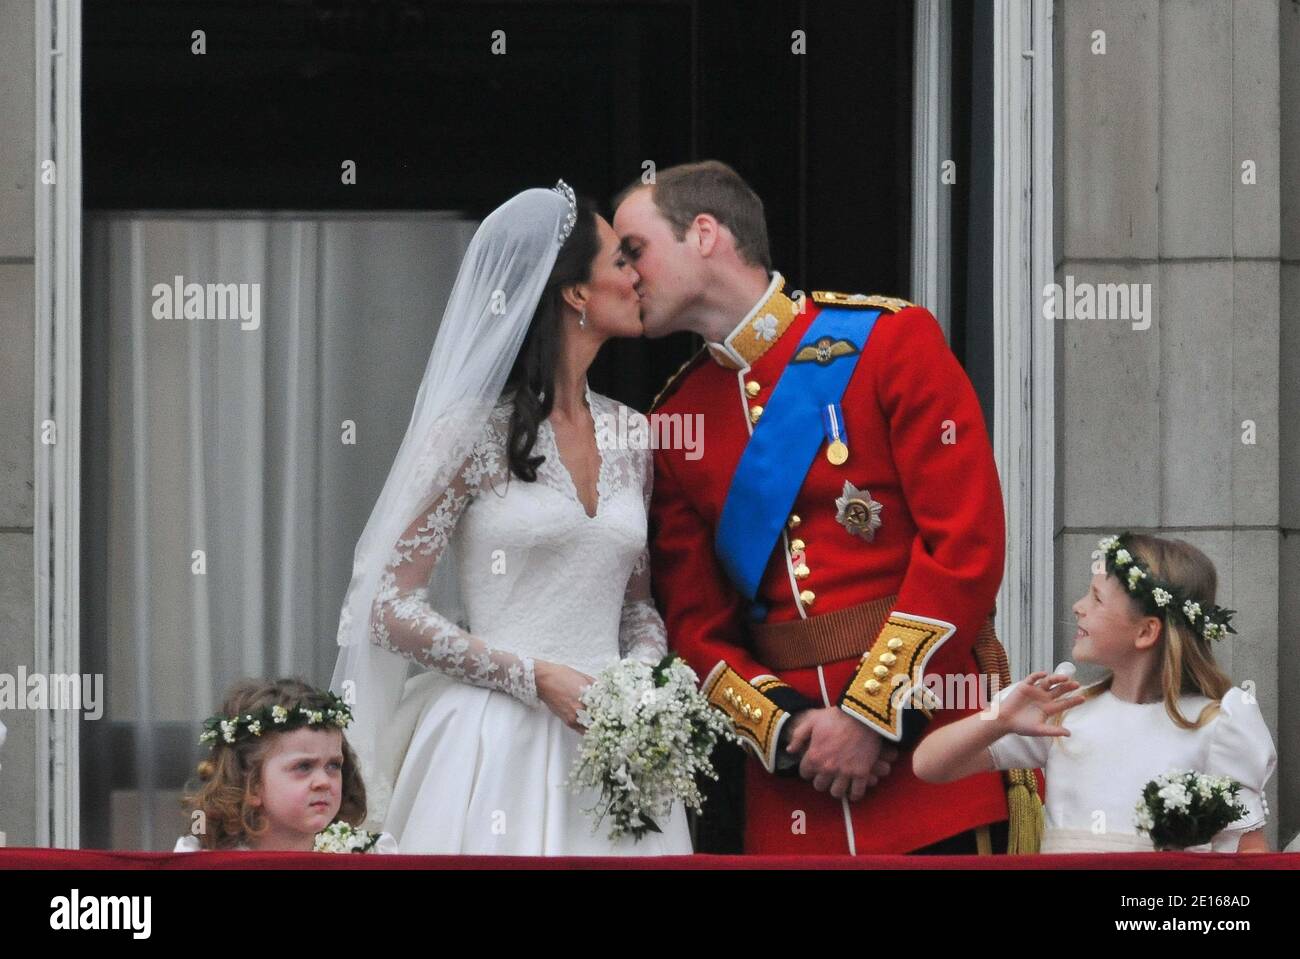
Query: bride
[505, 561]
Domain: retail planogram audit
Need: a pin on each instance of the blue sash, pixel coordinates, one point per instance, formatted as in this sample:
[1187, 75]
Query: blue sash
[785, 441]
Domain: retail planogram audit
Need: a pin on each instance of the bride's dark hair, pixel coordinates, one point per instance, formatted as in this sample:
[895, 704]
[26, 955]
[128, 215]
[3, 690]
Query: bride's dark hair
[532, 378]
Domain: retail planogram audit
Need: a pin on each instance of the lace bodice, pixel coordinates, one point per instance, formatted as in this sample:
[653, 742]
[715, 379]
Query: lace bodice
[540, 578]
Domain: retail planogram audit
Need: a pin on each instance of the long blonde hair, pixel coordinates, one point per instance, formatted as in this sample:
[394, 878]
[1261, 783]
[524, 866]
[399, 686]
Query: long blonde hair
[1187, 662]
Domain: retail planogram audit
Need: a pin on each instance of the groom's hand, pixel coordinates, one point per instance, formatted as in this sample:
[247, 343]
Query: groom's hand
[840, 754]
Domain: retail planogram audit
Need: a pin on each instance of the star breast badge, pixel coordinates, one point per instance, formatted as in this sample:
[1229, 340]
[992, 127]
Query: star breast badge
[857, 512]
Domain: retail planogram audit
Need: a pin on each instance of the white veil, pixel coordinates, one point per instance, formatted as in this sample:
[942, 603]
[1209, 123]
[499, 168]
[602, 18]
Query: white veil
[487, 315]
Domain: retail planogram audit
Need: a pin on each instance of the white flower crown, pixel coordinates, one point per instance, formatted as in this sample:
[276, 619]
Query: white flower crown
[1160, 598]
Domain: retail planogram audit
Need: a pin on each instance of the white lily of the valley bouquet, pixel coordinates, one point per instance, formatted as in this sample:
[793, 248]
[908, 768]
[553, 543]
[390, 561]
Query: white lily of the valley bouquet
[343, 837]
[1181, 809]
[649, 733]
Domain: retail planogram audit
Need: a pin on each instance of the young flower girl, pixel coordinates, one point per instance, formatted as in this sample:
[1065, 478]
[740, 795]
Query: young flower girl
[280, 775]
[1149, 618]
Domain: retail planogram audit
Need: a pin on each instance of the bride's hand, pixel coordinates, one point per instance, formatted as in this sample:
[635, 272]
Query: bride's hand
[1031, 703]
[559, 687]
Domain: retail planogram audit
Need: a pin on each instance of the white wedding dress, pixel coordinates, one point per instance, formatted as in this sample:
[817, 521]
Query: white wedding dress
[481, 765]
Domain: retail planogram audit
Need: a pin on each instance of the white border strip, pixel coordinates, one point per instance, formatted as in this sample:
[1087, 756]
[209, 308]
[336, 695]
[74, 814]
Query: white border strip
[1024, 344]
[56, 524]
[932, 133]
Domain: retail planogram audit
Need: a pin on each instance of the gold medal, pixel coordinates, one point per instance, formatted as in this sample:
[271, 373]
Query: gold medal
[837, 450]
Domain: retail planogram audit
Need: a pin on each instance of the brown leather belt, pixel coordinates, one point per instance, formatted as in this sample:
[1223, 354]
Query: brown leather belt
[848, 634]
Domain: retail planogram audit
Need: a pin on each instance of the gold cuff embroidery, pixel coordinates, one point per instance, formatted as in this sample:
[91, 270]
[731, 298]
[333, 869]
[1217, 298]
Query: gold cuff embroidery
[893, 670]
[757, 719]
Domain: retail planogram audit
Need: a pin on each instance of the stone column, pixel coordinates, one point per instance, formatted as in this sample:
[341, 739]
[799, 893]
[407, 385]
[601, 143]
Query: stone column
[17, 364]
[1178, 428]
[1289, 578]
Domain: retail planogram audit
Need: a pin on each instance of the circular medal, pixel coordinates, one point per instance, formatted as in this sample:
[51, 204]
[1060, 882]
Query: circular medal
[837, 453]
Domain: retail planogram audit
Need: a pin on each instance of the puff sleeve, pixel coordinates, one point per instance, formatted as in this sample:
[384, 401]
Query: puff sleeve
[1241, 748]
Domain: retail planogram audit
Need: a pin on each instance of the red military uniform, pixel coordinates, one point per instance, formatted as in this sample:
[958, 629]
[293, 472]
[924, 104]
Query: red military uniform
[919, 453]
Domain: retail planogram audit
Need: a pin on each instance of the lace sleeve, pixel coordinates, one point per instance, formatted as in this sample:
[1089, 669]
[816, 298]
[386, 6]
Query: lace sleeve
[641, 633]
[402, 619]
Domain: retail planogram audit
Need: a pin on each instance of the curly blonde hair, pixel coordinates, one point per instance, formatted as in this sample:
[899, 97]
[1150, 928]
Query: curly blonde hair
[232, 774]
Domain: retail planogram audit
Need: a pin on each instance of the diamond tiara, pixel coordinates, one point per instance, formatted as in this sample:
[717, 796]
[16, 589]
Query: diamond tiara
[566, 227]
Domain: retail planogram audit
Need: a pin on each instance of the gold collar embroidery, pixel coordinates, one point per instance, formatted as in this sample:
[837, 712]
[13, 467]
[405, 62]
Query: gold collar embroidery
[760, 328]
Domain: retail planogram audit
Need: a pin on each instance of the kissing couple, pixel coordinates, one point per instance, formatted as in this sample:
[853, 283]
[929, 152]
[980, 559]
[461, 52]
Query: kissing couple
[830, 546]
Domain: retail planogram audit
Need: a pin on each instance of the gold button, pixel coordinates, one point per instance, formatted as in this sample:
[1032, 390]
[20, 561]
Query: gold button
[752, 388]
[881, 672]
[801, 571]
[807, 597]
[796, 545]
[888, 658]
[873, 687]
[794, 521]
[895, 643]
[758, 714]
[754, 413]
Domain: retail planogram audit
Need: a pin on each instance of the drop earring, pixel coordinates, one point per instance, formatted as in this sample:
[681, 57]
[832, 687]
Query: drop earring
[582, 317]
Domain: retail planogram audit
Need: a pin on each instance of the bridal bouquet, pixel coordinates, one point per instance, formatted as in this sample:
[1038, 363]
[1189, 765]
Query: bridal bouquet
[1183, 809]
[649, 733]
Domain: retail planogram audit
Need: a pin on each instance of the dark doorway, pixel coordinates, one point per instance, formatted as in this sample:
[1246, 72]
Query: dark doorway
[412, 92]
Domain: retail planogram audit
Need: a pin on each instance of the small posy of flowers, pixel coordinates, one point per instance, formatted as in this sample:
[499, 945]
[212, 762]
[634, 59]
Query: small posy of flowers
[649, 733]
[343, 837]
[1181, 808]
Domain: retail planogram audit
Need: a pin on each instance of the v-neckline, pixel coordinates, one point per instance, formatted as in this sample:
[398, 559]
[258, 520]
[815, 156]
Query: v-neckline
[600, 458]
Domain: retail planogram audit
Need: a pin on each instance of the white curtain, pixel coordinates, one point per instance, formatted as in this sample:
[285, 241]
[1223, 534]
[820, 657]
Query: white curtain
[230, 470]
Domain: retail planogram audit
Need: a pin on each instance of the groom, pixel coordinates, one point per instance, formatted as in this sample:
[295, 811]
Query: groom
[840, 538]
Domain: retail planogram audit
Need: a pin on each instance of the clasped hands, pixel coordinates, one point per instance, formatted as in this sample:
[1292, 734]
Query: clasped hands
[839, 753]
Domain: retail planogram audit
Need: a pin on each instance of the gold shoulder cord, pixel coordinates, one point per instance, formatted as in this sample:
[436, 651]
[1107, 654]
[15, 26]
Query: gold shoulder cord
[874, 300]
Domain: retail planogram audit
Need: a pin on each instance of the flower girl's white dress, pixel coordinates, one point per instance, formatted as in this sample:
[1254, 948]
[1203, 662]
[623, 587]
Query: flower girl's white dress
[1095, 776]
[481, 763]
[386, 845]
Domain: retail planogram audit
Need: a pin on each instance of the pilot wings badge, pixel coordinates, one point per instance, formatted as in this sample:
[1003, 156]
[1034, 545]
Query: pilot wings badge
[824, 351]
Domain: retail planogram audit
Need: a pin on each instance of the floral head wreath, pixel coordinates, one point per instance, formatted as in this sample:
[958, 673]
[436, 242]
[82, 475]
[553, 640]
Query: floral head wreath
[1159, 598]
[333, 713]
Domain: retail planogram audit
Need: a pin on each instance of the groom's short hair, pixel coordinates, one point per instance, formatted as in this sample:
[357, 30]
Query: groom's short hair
[683, 192]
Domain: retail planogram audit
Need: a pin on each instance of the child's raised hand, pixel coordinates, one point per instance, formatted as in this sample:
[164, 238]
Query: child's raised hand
[1029, 705]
